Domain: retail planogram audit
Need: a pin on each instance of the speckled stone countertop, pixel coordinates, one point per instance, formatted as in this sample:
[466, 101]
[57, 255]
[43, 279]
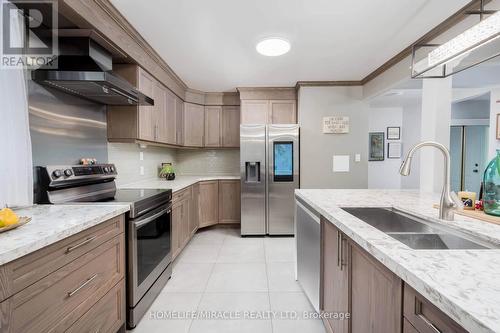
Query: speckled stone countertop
[179, 183]
[465, 284]
[52, 223]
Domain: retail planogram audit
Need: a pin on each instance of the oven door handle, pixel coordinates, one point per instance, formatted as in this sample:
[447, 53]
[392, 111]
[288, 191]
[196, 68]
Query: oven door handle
[140, 223]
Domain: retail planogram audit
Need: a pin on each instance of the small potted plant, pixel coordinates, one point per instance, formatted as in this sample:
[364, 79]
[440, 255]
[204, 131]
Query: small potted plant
[167, 171]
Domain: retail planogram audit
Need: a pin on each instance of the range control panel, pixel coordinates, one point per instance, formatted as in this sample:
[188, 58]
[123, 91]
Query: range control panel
[74, 172]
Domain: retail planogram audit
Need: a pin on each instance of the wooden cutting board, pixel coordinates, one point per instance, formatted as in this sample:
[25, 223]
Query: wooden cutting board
[476, 214]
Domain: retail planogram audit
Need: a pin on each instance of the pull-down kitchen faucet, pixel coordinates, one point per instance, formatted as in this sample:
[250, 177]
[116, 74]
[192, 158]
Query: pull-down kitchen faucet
[447, 204]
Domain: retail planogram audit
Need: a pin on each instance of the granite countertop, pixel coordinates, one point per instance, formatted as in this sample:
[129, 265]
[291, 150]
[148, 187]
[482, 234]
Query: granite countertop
[52, 223]
[179, 183]
[462, 283]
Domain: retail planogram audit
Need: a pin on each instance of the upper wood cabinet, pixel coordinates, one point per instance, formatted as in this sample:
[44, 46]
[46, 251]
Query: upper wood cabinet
[213, 126]
[230, 126]
[194, 125]
[268, 112]
[155, 123]
[179, 121]
[282, 112]
[254, 111]
[208, 202]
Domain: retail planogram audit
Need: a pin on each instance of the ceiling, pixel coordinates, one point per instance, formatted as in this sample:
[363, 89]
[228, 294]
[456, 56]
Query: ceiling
[211, 44]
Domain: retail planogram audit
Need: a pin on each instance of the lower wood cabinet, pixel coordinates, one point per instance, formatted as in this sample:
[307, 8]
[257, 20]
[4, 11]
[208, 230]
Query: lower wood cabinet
[208, 203]
[80, 284]
[354, 282]
[181, 220]
[229, 201]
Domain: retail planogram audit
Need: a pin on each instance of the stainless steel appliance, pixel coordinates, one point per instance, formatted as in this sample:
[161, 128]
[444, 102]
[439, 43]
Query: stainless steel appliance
[308, 242]
[269, 163]
[148, 224]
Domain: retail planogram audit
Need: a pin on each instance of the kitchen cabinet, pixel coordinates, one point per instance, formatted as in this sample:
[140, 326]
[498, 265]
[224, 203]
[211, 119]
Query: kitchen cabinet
[208, 203]
[254, 111]
[181, 215]
[194, 125]
[376, 295]
[229, 201]
[421, 316]
[354, 282]
[282, 112]
[193, 226]
[179, 121]
[335, 296]
[212, 126]
[230, 126]
[59, 287]
[155, 123]
[268, 112]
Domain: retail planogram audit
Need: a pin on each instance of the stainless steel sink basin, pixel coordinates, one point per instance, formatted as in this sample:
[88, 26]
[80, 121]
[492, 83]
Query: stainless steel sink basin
[414, 232]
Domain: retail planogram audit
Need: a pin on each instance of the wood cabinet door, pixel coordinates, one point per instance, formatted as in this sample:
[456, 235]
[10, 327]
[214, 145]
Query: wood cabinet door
[282, 112]
[194, 216]
[159, 112]
[208, 203]
[176, 229]
[185, 234]
[179, 121]
[147, 121]
[212, 126]
[230, 126]
[254, 111]
[229, 201]
[168, 125]
[376, 295]
[335, 276]
[194, 123]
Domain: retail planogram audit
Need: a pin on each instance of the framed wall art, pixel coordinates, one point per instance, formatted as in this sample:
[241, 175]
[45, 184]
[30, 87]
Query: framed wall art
[376, 146]
[393, 133]
[394, 150]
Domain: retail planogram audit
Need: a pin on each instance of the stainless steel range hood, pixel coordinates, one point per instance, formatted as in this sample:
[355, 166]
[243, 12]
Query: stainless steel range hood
[84, 68]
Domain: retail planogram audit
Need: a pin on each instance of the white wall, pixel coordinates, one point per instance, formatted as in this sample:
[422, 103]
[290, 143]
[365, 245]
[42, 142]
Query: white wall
[317, 149]
[412, 116]
[385, 174]
[494, 144]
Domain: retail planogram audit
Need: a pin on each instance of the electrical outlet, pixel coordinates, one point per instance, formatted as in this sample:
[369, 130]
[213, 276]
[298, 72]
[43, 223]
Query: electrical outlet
[357, 158]
[141, 170]
[141, 156]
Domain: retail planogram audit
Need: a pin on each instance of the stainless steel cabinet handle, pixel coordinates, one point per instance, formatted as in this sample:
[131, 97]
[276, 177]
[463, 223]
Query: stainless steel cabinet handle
[342, 252]
[431, 325]
[85, 242]
[90, 279]
[339, 248]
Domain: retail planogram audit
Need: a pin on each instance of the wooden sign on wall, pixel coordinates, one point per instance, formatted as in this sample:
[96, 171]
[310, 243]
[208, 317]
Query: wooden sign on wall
[336, 125]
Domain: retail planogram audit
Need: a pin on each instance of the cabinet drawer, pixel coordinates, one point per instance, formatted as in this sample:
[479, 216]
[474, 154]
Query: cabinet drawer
[108, 315]
[55, 302]
[181, 195]
[425, 317]
[25, 271]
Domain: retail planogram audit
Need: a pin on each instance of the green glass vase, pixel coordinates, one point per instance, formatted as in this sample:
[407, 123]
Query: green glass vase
[491, 190]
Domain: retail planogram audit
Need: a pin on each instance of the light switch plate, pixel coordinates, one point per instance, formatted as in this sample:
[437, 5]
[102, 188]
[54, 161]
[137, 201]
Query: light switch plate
[341, 163]
[141, 170]
[141, 156]
[357, 158]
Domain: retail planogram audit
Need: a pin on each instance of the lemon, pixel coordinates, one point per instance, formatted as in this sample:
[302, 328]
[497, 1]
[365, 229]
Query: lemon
[8, 217]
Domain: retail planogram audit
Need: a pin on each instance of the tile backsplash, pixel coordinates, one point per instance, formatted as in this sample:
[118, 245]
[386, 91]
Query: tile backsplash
[127, 158]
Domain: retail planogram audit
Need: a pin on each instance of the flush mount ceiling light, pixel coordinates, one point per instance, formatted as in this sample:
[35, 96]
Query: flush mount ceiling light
[273, 47]
[473, 46]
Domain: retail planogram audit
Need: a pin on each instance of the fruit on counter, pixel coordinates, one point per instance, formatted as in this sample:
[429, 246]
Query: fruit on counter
[8, 217]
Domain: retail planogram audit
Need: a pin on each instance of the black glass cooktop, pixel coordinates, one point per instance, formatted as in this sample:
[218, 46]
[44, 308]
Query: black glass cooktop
[135, 195]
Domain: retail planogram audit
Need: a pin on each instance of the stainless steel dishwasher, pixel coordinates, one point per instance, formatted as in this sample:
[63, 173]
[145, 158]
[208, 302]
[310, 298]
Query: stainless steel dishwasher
[308, 239]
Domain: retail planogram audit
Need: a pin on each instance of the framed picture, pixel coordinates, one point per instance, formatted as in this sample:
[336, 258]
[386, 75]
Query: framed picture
[498, 126]
[393, 133]
[394, 150]
[376, 146]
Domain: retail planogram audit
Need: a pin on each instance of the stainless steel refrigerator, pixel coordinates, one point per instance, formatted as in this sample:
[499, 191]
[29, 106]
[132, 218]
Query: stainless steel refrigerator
[269, 163]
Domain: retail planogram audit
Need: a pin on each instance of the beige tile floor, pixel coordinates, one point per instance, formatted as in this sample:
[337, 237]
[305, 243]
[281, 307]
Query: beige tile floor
[220, 271]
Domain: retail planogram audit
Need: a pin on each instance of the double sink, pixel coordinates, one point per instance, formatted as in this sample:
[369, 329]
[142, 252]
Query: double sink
[414, 232]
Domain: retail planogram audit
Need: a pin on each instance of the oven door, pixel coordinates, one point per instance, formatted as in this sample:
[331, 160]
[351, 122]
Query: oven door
[149, 250]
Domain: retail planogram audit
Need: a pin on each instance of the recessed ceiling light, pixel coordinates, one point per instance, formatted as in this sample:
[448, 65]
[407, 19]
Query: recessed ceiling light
[273, 47]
